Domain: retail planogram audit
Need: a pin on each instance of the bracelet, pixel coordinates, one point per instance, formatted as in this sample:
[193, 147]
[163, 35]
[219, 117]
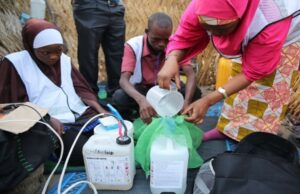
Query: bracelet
[168, 56]
[223, 92]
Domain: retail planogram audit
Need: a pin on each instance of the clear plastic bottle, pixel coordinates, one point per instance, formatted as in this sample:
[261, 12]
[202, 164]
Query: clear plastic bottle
[102, 94]
[37, 9]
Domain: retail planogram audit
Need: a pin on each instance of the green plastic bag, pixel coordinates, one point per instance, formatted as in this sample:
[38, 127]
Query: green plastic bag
[173, 127]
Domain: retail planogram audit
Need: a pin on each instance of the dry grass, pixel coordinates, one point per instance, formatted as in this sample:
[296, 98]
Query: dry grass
[136, 20]
[10, 27]
[208, 61]
[137, 12]
[10, 41]
[60, 12]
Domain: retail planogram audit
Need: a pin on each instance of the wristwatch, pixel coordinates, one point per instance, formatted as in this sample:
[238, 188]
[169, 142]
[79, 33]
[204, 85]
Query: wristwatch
[223, 92]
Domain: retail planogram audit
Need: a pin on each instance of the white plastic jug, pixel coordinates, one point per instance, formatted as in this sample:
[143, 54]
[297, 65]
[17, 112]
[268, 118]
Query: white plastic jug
[109, 126]
[37, 9]
[168, 168]
[165, 102]
[108, 165]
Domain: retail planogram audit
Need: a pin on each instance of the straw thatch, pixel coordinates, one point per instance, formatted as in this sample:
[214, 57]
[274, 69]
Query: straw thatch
[60, 12]
[137, 13]
[13, 5]
[10, 27]
[10, 41]
[136, 20]
[207, 63]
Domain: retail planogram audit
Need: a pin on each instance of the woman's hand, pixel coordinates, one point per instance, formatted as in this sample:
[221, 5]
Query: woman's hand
[57, 126]
[196, 111]
[169, 71]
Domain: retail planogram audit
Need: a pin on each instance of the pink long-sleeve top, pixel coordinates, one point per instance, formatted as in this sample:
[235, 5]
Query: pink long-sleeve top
[259, 58]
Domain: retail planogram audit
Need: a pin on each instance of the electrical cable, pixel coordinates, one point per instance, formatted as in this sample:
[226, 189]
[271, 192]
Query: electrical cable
[61, 152]
[49, 127]
[69, 155]
[72, 147]
[70, 151]
[34, 111]
[59, 138]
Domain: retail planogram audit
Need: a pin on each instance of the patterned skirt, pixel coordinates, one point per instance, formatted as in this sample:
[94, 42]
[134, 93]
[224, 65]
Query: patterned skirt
[262, 105]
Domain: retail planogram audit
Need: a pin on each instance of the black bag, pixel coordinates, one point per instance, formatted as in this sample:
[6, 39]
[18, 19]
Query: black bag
[262, 163]
[23, 153]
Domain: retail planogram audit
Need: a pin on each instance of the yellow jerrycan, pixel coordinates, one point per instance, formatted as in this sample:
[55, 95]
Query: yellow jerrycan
[223, 71]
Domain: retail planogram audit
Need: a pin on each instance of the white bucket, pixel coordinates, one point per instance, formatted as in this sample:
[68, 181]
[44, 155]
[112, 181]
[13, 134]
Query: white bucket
[109, 126]
[165, 102]
[37, 9]
[168, 168]
[108, 165]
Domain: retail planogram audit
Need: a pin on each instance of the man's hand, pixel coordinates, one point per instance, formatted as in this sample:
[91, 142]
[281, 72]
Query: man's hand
[146, 111]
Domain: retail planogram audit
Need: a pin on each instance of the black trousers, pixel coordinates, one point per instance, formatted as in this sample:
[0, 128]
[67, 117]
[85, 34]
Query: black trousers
[68, 138]
[100, 23]
[71, 131]
[124, 103]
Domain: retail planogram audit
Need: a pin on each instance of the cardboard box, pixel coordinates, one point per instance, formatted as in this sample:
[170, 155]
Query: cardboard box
[20, 117]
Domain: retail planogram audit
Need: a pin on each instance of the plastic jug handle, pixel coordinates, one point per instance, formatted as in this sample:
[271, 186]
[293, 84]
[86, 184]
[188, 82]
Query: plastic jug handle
[173, 86]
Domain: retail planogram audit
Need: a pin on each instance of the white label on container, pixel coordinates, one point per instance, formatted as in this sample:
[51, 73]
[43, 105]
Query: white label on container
[166, 174]
[110, 171]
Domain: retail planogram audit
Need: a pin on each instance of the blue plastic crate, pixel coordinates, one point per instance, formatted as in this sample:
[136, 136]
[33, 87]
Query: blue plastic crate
[69, 179]
[215, 110]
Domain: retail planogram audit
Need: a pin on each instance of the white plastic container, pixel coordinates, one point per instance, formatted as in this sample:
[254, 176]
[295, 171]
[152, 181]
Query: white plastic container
[168, 168]
[101, 129]
[37, 9]
[108, 165]
[165, 102]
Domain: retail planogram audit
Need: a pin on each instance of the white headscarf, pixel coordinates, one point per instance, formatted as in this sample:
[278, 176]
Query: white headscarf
[47, 37]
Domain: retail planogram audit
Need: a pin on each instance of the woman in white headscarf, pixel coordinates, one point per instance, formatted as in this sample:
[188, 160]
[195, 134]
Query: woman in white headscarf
[44, 75]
